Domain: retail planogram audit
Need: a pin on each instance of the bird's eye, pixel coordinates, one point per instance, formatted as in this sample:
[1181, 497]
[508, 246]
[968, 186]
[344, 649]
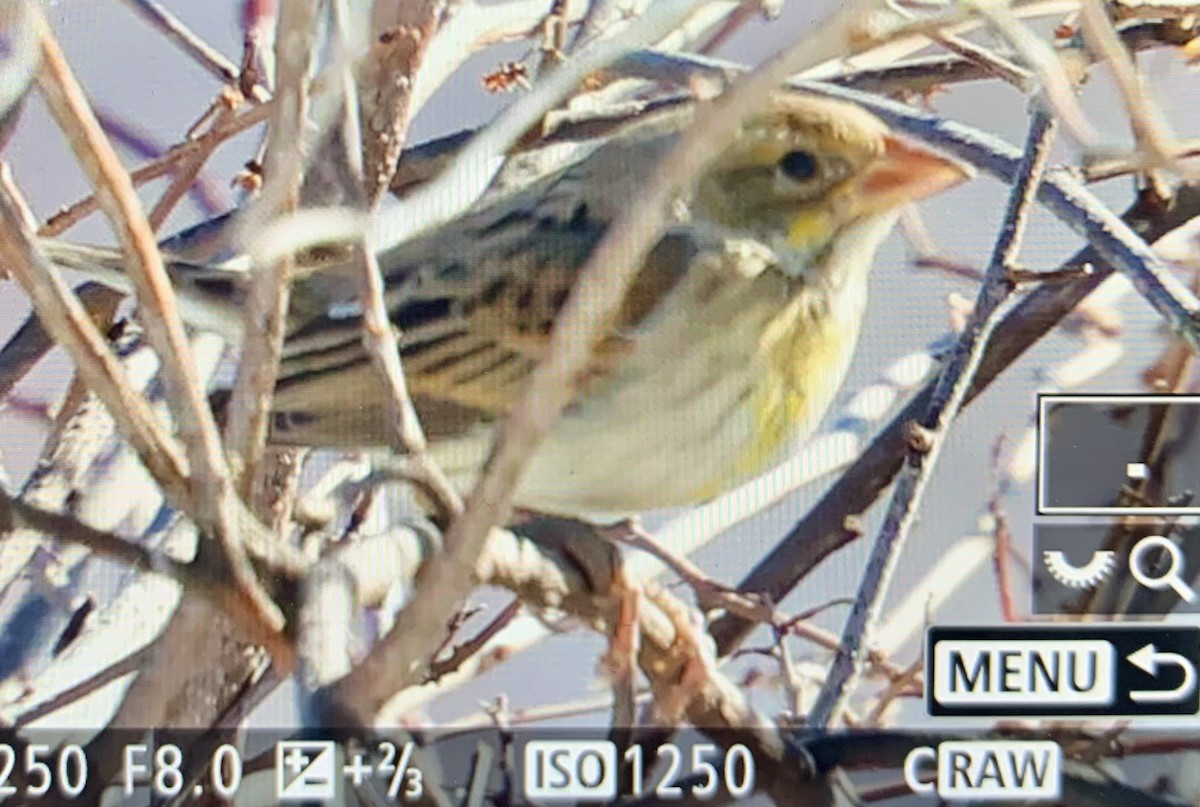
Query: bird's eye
[799, 166]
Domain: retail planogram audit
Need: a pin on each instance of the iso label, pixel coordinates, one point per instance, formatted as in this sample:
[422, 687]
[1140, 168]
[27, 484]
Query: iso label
[164, 771]
[570, 769]
[64, 770]
[560, 770]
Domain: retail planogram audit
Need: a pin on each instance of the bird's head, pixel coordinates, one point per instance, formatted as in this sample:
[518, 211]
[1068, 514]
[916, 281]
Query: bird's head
[809, 167]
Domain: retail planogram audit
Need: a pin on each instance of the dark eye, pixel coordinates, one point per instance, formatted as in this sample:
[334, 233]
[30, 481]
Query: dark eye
[800, 166]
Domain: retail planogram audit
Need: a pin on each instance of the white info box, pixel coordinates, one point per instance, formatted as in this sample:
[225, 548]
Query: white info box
[988, 770]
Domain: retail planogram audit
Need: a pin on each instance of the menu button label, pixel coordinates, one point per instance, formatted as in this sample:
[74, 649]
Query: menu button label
[1025, 672]
[1068, 671]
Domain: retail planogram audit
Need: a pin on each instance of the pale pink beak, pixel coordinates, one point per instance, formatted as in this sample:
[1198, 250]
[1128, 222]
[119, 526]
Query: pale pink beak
[905, 173]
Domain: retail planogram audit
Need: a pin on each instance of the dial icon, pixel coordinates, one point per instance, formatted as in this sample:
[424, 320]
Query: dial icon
[1089, 575]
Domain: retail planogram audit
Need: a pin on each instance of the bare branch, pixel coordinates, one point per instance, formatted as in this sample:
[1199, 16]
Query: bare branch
[1134, 9]
[15, 514]
[471, 28]
[1057, 86]
[188, 172]
[208, 496]
[1153, 134]
[463, 651]
[113, 672]
[1099, 167]
[400, 37]
[930, 433]
[378, 337]
[174, 29]
[69, 325]
[166, 164]
[270, 289]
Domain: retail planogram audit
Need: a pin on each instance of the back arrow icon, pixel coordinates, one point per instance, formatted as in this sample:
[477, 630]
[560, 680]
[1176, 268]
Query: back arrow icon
[1148, 659]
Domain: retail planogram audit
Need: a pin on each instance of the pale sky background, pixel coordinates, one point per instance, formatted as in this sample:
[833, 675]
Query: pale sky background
[137, 74]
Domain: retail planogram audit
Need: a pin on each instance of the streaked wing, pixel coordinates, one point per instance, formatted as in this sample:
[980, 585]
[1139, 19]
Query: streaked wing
[475, 303]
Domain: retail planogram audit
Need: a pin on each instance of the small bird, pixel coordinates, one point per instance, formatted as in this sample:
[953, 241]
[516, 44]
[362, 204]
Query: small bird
[730, 346]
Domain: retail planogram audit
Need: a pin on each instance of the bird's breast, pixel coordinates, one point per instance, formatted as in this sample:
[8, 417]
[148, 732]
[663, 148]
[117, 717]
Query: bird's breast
[734, 367]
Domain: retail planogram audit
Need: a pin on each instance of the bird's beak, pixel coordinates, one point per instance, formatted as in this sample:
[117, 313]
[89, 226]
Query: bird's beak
[905, 173]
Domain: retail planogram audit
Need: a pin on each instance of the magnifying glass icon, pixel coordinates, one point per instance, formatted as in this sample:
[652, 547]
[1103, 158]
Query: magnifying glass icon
[1143, 571]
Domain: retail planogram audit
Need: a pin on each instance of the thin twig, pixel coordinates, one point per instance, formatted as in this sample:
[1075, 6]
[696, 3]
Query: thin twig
[16, 514]
[710, 594]
[930, 434]
[257, 29]
[380, 341]
[475, 166]
[1133, 9]
[992, 62]
[188, 172]
[1156, 143]
[72, 214]
[1098, 167]
[793, 684]
[270, 288]
[535, 714]
[208, 196]
[277, 487]
[620, 661]
[553, 46]
[1002, 560]
[471, 28]
[383, 348]
[174, 29]
[742, 14]
[1057, 86]
[118, 669]
[464, 650]
[903, 684]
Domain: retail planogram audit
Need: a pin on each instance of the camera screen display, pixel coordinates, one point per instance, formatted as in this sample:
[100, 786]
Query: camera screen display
[489, 403]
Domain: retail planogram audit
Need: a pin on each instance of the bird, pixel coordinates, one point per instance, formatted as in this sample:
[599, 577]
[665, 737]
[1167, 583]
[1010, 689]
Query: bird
[730, 346]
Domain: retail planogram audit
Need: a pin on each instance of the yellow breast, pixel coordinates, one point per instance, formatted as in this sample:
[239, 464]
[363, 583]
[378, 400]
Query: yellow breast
[803, 357]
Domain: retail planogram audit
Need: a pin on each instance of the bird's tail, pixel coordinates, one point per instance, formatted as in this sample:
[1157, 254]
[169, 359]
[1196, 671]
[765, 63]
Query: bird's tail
[211, 298]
